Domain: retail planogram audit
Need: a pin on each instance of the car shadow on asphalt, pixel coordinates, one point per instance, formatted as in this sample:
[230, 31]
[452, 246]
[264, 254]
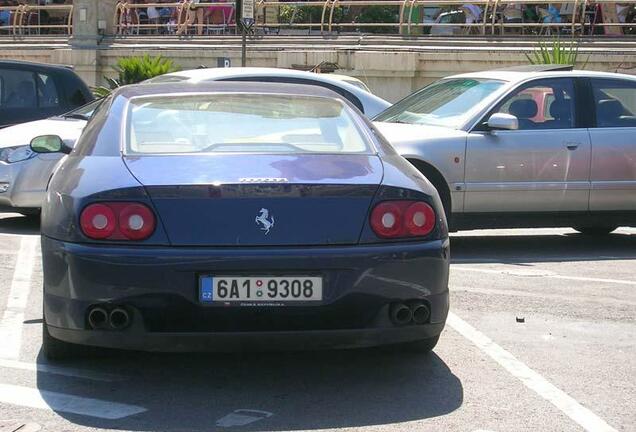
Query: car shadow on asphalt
[301, 391]
[18, 224]
[519, 249]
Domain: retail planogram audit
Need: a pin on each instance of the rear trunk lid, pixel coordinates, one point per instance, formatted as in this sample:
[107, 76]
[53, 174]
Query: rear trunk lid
[260, 199]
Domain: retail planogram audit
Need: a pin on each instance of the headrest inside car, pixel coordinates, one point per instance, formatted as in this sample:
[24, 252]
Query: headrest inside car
[523, 108]
[609, 110]
[560, 110]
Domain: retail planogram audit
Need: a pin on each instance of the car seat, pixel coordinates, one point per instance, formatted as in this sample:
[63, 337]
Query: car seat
[612, 113]
[23, 96]
[524, 110]
[561, 112]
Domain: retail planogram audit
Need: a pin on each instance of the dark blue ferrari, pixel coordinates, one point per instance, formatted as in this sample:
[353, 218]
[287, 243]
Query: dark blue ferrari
[238, 216]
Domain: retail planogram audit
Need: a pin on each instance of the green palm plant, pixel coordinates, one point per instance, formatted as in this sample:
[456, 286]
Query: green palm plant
[556, 52]
[131, 70]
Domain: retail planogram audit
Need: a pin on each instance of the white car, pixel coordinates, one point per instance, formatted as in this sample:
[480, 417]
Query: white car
[347, 87]
[25, 174]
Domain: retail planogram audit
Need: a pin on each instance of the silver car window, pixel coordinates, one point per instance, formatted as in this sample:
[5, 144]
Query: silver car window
[542, 104]
[615, 102]
[444, 103]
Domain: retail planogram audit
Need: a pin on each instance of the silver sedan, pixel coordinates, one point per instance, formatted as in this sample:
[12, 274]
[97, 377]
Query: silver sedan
[524, 148]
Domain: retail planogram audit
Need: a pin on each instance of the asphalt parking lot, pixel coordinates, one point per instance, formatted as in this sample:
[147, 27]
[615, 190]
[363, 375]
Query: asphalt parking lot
[541, 337]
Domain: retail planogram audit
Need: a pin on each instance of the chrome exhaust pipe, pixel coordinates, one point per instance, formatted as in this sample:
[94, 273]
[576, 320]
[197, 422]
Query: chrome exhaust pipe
[400, 314]
[119, 318]
[421, 313]
[98, 317]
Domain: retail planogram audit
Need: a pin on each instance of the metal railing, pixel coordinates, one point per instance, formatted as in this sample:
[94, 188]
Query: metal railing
[581, 16]
[183, 18]
[407, 17]
[28, 19]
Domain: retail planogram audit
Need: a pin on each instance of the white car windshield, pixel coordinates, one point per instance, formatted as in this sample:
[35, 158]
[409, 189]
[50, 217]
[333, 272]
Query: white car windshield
[444, 103]
[256, 123]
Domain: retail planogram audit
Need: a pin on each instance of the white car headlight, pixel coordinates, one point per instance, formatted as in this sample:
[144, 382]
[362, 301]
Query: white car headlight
[16, 154]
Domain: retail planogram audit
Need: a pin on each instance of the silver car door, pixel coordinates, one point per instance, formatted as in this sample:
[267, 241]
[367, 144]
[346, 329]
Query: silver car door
[614, 145]
[543, 166]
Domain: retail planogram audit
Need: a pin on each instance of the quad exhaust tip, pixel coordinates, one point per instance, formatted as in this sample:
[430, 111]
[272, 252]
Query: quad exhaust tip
[415, 312]
[98, 318]
[119, 318]
[421, 312]
[400, 314]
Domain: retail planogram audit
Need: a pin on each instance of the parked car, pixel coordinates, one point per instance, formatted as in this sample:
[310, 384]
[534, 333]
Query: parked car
[32, 91]
[366, 102]
[524, 148]
[24, 174]
[230, 216]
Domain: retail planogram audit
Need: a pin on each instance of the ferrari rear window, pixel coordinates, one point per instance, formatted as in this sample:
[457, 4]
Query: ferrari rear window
[249, 123]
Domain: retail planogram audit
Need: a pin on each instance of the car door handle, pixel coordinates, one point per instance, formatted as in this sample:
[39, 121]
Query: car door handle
[572, 145]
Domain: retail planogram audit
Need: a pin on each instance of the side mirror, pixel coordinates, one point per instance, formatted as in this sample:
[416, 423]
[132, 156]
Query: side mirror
[49, 144]
[503, 122]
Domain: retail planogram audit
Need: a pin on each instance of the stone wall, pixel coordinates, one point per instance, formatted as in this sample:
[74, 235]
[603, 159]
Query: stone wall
[391, 75]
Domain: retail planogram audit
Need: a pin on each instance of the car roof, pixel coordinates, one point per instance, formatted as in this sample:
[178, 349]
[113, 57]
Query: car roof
[150, 89]
[203, 74]
[518, 75]
[34, 65]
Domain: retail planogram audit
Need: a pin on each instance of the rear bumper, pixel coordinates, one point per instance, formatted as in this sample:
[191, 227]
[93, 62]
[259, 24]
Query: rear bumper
[247, 341]
[159, 287]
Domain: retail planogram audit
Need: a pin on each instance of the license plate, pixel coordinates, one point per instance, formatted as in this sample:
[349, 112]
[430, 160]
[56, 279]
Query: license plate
[259, 289]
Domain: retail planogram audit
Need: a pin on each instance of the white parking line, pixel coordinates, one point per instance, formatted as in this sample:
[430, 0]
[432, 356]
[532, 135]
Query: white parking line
[13, 317]
[531, 379]
[43, 399]
[553, 276]
[59, 370]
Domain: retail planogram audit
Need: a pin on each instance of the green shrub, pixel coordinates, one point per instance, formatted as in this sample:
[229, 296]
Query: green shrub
[307, 14]
[555, 53]
[379, 14]
[132, 70]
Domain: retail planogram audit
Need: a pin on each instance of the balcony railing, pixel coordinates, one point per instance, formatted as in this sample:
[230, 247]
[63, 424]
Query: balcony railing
[28, 19]
[405, 17]
[182, 18]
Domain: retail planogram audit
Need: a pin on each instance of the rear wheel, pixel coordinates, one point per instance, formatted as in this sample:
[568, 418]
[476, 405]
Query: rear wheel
[439, 183]
[422, 346]
[596, 230]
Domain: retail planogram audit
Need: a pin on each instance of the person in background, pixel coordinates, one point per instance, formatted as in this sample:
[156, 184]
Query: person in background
[153, 13]
[473, 13]
[5, 15]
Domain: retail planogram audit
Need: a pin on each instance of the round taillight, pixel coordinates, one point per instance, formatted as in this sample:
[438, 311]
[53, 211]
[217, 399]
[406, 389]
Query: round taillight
[98, 221]
[419, 219]
[386, 220]
[136, 221]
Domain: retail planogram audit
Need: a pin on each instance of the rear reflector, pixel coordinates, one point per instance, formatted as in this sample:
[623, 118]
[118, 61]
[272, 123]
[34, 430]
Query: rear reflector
[117, 221]
[402, 219]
